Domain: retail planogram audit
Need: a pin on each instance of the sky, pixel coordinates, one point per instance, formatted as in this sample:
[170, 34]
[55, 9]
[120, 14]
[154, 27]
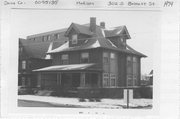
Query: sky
[142, 26]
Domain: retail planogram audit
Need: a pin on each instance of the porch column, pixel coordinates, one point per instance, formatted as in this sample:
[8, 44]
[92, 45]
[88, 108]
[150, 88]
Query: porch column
[82, 79]
[39, 80]
[99, 79]
[58, 79]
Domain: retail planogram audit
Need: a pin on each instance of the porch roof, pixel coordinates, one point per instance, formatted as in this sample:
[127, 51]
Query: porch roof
[69, 67]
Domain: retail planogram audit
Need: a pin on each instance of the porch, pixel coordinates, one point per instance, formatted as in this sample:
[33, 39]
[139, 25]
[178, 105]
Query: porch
[68, 83]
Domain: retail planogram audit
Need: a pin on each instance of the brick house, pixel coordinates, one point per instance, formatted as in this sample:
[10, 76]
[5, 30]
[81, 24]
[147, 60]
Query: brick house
[94, 61]
[32, 54]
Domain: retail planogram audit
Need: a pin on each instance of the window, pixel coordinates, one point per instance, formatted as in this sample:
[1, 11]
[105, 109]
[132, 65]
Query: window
[129, 80]
[122, 40]
[129, 65]
[33, 39]
[24, 64]
[112, 55]
[135, 67]
[105, 58]
[132, 71]
[56, 36]
[44, 38]
[105, 79]
[135, 71]
[23, 81]
[65, 58]
[83, 77]
[84, 57]
[48, 38]
[74, 39]
[20, 50]
[113, 79]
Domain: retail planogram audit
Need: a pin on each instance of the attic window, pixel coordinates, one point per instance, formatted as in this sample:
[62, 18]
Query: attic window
[74, 39]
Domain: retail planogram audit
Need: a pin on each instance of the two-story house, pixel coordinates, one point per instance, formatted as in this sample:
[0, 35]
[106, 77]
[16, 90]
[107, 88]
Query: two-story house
[32, 54]
[94, 59]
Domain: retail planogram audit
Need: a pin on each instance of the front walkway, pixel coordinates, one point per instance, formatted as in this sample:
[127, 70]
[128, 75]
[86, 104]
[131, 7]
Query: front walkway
[74, 102]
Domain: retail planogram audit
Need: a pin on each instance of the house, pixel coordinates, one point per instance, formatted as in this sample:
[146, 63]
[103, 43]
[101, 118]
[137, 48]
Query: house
[32, 54]
[147, 80]
[95, 61]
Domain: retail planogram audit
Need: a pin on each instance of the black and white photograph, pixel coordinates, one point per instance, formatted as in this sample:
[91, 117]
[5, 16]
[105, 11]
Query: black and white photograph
[89, 59]
[85, 59]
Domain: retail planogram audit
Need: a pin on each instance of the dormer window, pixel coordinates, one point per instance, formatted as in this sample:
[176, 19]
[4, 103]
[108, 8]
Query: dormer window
[74, 39]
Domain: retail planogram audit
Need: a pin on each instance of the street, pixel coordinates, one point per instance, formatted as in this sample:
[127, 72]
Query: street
[27, 103]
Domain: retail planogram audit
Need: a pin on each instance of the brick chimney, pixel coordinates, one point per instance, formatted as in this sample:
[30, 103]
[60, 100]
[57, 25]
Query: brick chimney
[102, 24]
[93, 24]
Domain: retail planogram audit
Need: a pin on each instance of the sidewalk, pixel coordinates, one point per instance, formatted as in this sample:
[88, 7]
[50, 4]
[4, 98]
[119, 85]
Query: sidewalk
[104, 103]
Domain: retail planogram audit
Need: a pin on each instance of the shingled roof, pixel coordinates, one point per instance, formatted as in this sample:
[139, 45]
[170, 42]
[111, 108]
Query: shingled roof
[99, 39]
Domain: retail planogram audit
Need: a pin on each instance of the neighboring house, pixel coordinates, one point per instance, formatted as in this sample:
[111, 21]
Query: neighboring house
[93, 60]
[147, 79]
[151, 77]
[32, 54]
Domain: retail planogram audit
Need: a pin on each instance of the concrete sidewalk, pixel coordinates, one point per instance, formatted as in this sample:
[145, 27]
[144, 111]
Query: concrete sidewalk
[104, 103]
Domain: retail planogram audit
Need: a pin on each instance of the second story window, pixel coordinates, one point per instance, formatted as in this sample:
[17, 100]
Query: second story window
[65, 59]
[74, 39]
[23, 64]
[84, 57]
[105, 58]
[112, 55]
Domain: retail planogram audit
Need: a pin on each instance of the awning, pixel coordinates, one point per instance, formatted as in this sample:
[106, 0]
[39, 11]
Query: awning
[65, 67]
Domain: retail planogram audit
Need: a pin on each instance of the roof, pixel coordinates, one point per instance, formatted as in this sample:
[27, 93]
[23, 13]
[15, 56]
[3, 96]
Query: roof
[38, 49]
[47, 33]
[96, 43]
[117, 31]
[68, 67]
[151, 73]
[84, 29]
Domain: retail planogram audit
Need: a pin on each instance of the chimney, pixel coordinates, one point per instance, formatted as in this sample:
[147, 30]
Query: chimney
[102, 24]
[93, 24]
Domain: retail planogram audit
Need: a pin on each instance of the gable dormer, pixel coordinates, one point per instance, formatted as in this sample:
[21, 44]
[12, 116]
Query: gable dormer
[118, 36]
[78, 34]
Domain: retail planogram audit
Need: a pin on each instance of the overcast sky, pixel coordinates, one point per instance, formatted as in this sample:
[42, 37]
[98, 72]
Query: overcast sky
[143, 26]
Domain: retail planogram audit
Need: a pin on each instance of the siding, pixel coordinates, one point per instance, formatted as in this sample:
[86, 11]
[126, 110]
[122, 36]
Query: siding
[122, 69]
